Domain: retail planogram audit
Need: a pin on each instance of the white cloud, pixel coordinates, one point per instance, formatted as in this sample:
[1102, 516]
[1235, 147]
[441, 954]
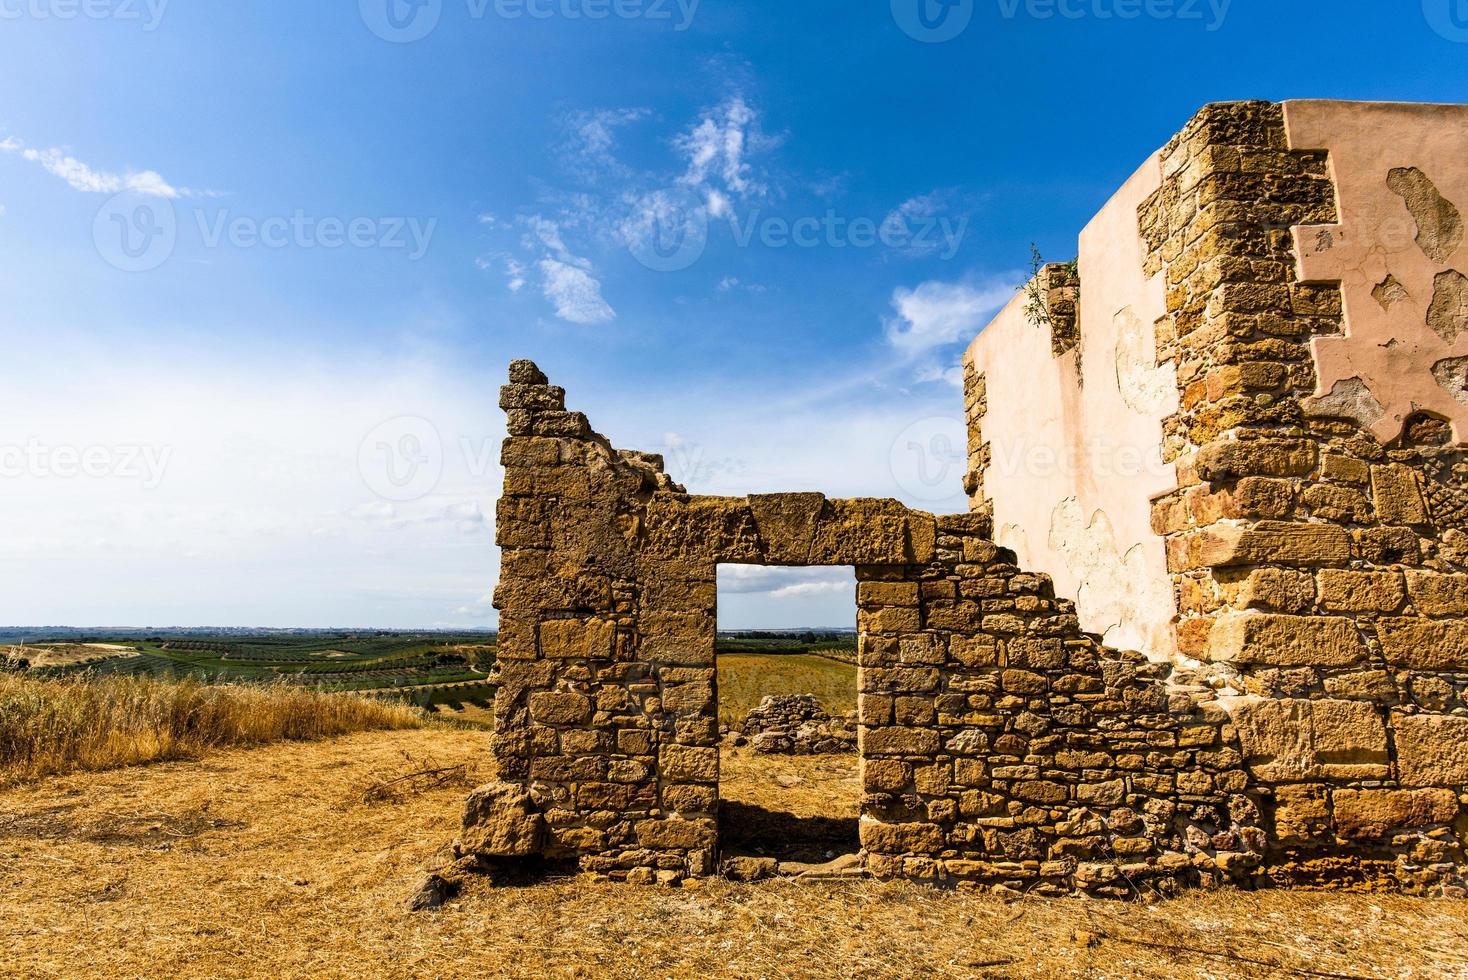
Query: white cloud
[717, 147]
[574, 293]
[802, 590]
[591, 136]
[939, 313]
[784, 583]
[264, 514]
[79, 176]
[952, 375]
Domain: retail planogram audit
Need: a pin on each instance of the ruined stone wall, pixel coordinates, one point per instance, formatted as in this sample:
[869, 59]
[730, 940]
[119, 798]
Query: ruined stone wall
[1317, 541]
[999, 743]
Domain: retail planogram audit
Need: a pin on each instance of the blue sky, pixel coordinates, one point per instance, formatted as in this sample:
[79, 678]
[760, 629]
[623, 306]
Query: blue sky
[337, 238]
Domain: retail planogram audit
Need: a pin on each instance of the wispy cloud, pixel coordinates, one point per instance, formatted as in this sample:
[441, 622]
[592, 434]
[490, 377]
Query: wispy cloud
[714, 166]
[81, 177]
[574, 293]
[935, 314]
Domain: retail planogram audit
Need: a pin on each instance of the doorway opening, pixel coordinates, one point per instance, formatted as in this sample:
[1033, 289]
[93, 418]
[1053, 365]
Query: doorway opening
[789, 774]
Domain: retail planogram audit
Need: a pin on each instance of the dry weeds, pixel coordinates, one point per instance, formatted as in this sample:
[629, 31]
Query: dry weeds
[57, 726]
[248, 864]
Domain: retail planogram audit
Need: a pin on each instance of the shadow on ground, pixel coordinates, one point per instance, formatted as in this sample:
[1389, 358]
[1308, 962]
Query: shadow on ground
[749, 830]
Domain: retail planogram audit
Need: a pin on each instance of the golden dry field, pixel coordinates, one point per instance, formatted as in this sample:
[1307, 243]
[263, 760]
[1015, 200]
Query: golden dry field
[294, 860]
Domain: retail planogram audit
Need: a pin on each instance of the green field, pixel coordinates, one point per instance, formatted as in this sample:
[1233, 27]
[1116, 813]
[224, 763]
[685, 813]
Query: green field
[447, 671]
[428, 669]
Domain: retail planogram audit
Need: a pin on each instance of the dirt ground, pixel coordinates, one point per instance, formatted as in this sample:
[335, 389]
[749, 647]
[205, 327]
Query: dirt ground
[295, 859]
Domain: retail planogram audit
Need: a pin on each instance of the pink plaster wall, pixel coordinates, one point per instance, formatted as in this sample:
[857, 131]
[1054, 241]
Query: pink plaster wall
[1390, 363]
[1074, 465]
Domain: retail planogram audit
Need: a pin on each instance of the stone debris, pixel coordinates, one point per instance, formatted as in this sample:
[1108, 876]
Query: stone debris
[795, 724]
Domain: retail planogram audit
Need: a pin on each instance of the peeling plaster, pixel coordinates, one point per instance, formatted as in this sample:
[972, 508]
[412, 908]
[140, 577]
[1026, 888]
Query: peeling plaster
[1401, 180]
[1118, 597]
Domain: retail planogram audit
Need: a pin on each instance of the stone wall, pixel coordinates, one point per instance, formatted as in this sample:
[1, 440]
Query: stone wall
[1317, 547]
[1315, 543]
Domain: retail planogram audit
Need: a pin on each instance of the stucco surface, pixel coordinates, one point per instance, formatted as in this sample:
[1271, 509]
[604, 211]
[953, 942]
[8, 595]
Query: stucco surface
[1400, 254]
[1075, 440]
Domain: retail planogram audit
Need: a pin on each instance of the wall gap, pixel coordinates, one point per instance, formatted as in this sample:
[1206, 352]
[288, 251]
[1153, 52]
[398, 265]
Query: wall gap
[789, 782]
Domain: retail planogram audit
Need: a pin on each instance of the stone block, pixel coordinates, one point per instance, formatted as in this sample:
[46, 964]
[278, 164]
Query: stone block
[1374, 814]
[1296, 741]
[1424, 644]
[560, 708]
[500, 820]
[1274, 542]
[1277, 589]
[535, 397]
[974, 651]
[1436, 594]
[899, 740]
[675, 834]
[901, 838]
[689, 763]
[1228, 460]
[1432, 750]
[891, 619]
[577, 639]
[1302, 813]
[1285, 641]
[1343, 590]
[1397, 495]
[887, 593]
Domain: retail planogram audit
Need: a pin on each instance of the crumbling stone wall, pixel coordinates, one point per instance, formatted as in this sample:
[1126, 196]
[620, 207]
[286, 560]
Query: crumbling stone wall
[1319, 564]
[1315, 545]
[998, 743]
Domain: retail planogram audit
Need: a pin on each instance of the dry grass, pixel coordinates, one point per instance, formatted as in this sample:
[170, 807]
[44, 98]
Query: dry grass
[57, 726]
[267, 863]
[745, 678]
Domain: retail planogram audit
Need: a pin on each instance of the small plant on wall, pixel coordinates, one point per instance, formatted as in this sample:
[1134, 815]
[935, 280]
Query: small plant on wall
[1053, 297]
